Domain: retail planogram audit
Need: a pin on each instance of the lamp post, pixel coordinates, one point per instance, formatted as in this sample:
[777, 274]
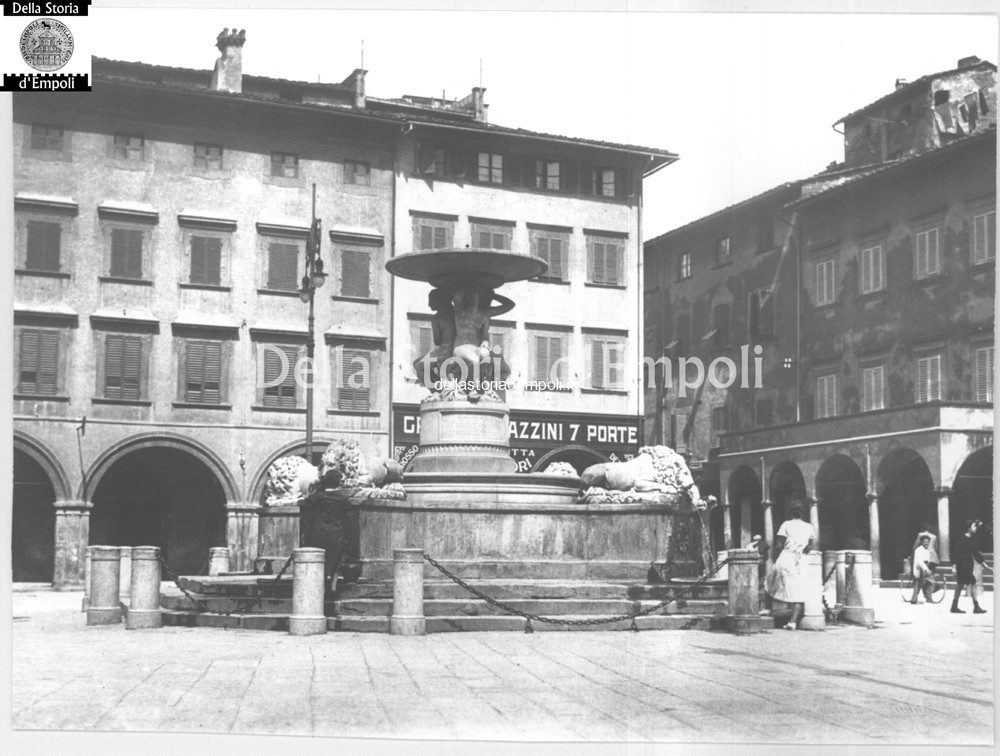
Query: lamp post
[313, 279]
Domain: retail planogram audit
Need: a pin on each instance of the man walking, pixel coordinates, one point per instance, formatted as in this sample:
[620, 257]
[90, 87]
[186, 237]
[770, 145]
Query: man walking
[922, 569]
[967, 552]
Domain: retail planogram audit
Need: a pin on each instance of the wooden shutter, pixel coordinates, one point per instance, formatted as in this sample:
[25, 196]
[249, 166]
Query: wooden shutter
[984, 237]
[206, 260]
[866, 269]
[541, 251]
[984, 374]
[933, 254]
[283, 267]
[131, 368]
[878, 388]
[613, 263]
[541, 358]
[929, 378]
[113, 347]
[203, 372]
[122, 367]
[423, 340]
[42, 252]
[349, 397]
[557, 269]
[597, 364]
[595, 262]
[282, 394]
[28, 363]
[355, 273]
[126, 252]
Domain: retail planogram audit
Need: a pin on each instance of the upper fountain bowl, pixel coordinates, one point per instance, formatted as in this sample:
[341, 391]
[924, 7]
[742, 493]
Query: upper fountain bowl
[450, 267]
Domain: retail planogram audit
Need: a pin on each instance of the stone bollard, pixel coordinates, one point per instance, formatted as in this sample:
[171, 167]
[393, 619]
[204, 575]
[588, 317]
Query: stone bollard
[720, 557]
[857, 598]
[103, 607]
[218, 560]
[407, 593]
[744, 594]
[86, 583]
[307, 593]
[813, 617]
[144, 597]
[125, 572]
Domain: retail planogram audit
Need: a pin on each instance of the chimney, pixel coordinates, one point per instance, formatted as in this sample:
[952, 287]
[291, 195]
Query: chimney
[356, 80]
[478, 106]
[228, 74]
[972, 60]
[900, 83]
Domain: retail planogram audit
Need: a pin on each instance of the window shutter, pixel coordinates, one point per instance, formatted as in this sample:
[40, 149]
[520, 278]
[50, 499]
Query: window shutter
[348, 397]
[978, 239]
[195, 371]
[28, 382]
[922, 377]
[821, 284]
[355, 273]
[878, 388]
[113, 346]
[933, 255]
[597, 364]
[206, 260]
[43, 246]
[984, 374]
[426, 340]
[934, 378]
[876, 268]
[541, 249]
[126, 252]
[283, 267]
[541, 358]
[283, 394]
[131, 388]
[440, 237]
[866, 270]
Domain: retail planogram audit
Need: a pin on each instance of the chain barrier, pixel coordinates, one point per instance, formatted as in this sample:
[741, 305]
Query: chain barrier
[631, 616]
[833, 613]
[203, 606]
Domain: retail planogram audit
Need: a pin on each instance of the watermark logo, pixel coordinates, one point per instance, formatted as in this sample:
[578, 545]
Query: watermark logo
[46, 44]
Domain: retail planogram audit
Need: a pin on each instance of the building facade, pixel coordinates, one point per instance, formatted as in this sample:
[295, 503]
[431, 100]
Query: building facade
[161, 231]
[873, 315]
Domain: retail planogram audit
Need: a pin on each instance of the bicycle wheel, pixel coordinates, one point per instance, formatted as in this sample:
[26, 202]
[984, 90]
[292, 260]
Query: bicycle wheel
[938, 589]
[906, 585]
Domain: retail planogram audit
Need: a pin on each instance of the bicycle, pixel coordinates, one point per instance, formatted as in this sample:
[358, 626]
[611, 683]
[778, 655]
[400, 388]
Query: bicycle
[934, 593]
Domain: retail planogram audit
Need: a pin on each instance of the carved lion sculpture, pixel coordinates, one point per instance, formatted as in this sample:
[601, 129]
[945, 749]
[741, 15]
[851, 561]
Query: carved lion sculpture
[288, 479]
[561, 468]
[344, 459]
[656, 469]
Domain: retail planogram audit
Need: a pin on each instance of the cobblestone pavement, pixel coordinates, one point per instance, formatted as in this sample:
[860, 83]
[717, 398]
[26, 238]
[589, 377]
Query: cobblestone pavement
[921, 676]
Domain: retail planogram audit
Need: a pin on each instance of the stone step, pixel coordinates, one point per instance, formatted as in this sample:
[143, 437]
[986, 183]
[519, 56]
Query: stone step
[495, 623]
[714, 589]
[178, 618]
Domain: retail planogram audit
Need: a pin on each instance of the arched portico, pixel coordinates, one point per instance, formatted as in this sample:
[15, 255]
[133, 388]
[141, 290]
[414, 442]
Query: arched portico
[843, 504]
[744, 493]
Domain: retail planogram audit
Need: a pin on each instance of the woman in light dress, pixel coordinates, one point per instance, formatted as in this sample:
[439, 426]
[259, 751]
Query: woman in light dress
[788, 581]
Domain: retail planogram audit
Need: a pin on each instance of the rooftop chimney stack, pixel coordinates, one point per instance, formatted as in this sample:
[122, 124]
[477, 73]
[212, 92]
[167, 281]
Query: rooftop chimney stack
[228, 74]
[969, 61]
[357, 81]
[478, 106]
[900, 83]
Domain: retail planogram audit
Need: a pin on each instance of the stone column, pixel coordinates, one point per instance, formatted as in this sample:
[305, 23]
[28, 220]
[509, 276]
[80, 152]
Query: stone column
[723, 572]
[768, 528]
[873, 532]
[814, 517]
[812, 616]
[943, 513]
[242, 534]
[144, 604]
[72, 538]
[125, 572]
[858, 589]
[727, 522]
[407, 593]
[744, 593]
[745, 522]
[307, 592]
[103, 608]
[218, 560]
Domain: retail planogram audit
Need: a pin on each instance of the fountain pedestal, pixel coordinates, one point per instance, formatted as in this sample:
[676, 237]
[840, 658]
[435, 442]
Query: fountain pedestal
[463, 437]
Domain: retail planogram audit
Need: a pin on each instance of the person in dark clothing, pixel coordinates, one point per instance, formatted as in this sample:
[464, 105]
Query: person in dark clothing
[967, 552]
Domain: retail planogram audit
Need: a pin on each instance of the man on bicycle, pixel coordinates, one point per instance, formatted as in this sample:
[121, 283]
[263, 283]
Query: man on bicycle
[922, 571]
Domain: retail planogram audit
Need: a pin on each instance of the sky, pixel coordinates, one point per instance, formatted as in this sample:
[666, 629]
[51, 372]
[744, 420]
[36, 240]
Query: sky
[747, 100]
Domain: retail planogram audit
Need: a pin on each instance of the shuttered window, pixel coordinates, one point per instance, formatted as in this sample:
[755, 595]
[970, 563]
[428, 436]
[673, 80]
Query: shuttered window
[722, 316]
[38, 357]
[604, 262]
[421, 339]
[284, 165]
[208, 157]
[984, 238]
[282, 266]
[128, 147]
[203, 372]
[357, 173]
[929, 378]
[607, 364]
[549, 351]
[555, 252]
[825, 280]
[44, 239]
[983, 366]
[429, 234]
[871, 269]
[826, 396]
[126, 252]
[356, 371]
[489, 236]
[355, 273]
[547, 175]
[46, 137]
[684, 266]
[122, 367]
[491, 167]
[928, 261]
[872, 388]
[206, 260]
[279, 394]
